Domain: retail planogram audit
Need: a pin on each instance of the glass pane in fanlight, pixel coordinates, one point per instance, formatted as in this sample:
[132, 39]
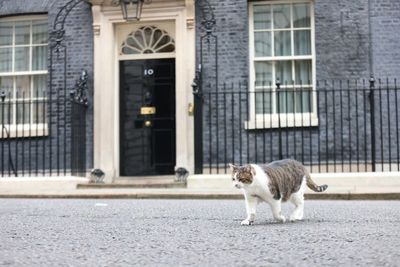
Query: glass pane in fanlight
[262, 44]
[148, 31]
[262, 17]
[302, 42]
[127, 50]
[282, 43]
[6, 33]
[22, 33]
[139, 39]
[301, 15]
[281, 16]
[263, 73]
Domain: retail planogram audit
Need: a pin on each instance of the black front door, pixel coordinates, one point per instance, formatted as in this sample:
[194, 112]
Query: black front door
[147, 117]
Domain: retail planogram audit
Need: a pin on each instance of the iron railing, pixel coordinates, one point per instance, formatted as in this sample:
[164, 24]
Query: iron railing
[37, 139]
[339, 126]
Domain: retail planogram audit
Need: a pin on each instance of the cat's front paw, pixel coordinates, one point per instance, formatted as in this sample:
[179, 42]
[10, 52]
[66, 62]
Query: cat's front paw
[294, 218]
[246, 222]
[281, 218]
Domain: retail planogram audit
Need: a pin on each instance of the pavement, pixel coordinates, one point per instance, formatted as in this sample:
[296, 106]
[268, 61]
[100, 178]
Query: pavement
[154, 232]
[350, 186]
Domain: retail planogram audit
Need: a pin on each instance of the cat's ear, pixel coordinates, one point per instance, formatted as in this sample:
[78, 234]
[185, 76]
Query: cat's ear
[232, 167]
[251, 169]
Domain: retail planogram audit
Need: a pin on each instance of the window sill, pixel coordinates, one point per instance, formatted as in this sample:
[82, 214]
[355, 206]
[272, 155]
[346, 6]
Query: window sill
[282, 121]
[23, 131]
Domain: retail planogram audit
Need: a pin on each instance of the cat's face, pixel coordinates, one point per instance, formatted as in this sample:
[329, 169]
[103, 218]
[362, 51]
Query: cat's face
[242, 176]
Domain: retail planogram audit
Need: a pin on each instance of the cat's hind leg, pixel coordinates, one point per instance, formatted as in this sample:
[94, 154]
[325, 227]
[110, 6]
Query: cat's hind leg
[298, 200]
[276, 210]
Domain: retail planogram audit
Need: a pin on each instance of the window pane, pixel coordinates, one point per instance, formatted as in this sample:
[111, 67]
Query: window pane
[22, 86]
[5, 59]
[39, 32]
[6, 114]
[6, 32]
[283, 70]
[39, 58]
[22, 33]
[263, 101]
[21, 58]
[39, 85]
[263, 73]
[303, 100]
[285, 101]
[282, 43]
[281, 16]
[38, 111]
[23, 112]
[6, 85]
[262, 17]
[262, 43]
[303, 71]
[301, 15]
[302, 42]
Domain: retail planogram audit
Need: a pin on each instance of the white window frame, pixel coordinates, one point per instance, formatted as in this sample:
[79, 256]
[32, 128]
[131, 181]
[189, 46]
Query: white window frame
[275, 120]
[27, 129]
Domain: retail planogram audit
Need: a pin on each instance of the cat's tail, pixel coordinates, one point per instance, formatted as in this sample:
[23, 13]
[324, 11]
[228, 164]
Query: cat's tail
[313, 186]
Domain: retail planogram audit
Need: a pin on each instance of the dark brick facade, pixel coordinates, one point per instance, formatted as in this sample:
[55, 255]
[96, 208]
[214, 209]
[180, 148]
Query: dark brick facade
[352, 39]
[344, 31]
[78, 41]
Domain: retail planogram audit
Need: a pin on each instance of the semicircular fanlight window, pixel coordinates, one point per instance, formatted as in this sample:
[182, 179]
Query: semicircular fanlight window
[148, 40]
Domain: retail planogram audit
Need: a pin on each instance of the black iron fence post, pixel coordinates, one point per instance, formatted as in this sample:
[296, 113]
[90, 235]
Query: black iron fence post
[372, 106]
[207, 24]
[278, 87]
[3, 98]
[198, 122]
[80, 103]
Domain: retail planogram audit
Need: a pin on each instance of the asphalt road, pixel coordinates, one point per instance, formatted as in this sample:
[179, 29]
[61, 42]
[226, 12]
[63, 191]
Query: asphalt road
[57, 232]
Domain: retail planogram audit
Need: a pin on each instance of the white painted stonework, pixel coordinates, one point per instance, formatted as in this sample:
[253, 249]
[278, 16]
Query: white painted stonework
[109, 29]
[362, 182]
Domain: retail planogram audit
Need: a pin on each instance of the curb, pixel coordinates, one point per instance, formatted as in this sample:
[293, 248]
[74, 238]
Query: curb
[338, 196]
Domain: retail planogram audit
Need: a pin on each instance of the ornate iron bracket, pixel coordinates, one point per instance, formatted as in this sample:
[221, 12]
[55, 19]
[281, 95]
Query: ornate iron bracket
[58, 33]
[78, 94]
[196, 84]
[208, 22]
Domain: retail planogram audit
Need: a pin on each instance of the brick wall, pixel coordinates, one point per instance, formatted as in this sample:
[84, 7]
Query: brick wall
[342, 46]
[79, 55]
[385, 24]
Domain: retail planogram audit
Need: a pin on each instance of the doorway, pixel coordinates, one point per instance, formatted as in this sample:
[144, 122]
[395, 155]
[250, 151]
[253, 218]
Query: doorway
[147, 117]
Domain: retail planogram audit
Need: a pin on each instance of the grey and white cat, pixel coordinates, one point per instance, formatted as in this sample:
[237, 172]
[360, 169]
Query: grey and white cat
[274, 183]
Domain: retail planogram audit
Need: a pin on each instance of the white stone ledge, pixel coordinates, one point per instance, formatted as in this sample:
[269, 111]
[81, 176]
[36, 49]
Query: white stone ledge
[368, 181]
